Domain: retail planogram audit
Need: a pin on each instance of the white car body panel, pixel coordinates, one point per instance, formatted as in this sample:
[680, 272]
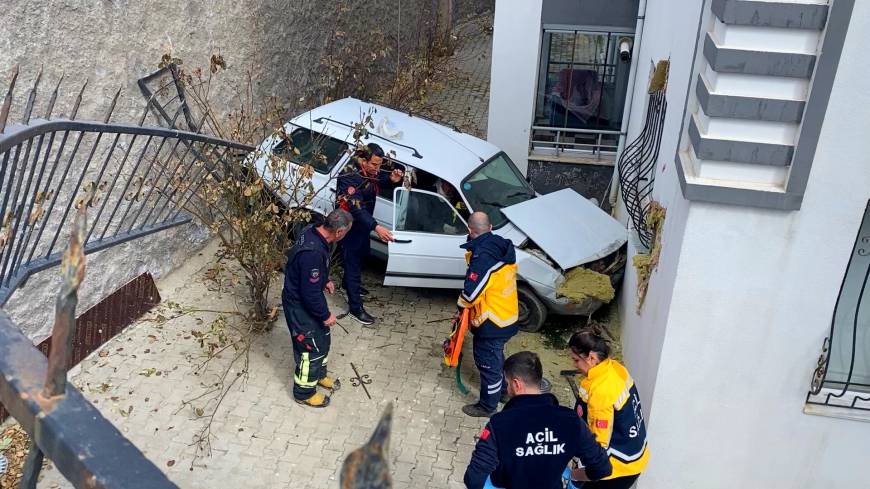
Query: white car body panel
[584, 234]
[436, 260]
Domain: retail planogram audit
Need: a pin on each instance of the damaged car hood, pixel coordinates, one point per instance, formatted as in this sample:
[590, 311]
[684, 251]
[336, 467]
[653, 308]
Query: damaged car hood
[568, 227]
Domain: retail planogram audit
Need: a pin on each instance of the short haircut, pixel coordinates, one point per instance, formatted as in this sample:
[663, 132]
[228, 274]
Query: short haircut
[369, 150]
[479, 222]
[526, 366]
[338, 219]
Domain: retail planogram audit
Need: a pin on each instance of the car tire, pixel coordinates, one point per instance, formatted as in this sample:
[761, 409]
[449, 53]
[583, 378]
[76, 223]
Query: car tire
[532, 312]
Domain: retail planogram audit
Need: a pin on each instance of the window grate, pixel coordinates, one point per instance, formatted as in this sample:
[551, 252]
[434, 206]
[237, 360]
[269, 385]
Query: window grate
[842, 375]
[637, 163]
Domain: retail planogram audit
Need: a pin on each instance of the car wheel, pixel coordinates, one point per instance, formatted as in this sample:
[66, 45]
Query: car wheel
[532, 312]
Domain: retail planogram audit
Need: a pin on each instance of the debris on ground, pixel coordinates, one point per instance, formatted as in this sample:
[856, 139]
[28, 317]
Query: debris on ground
[14, 444]
[582, 284]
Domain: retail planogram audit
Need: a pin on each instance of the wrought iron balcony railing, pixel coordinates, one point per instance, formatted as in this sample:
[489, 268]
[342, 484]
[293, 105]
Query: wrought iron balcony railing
[842, 375]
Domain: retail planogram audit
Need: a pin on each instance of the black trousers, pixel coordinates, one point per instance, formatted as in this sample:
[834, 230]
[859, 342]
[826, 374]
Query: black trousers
[311, 342]
[353, 254]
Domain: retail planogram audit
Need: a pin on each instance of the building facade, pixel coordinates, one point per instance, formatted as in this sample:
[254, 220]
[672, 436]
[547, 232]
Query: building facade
[762, 171]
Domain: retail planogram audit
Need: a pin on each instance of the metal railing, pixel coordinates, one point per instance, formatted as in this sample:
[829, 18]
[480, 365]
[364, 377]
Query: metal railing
[561, 140]
[132, 180]
[133, 177]
[637, 163]
[842, 375]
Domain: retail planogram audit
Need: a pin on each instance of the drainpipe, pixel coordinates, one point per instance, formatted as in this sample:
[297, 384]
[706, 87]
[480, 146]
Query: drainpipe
[613, 190]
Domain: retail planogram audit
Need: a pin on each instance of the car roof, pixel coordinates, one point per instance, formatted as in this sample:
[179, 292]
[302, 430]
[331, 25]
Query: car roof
[444, 152]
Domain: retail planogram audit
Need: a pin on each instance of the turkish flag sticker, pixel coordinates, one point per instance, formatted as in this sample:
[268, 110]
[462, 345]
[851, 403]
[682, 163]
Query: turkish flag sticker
[472, 276]
[601, 423]
[484, 434]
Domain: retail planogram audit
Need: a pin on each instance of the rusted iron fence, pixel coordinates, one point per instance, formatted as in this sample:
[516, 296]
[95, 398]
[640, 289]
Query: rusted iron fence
[132, 177]
[130, 180]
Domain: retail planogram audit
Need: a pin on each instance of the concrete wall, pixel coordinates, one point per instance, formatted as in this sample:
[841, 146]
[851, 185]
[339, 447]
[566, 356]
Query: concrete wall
[516, 46]
[741, 302]
[670, 27]
[113, 43]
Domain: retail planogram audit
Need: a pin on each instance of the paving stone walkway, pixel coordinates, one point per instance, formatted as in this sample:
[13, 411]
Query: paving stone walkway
[141, 379]
[460, 96]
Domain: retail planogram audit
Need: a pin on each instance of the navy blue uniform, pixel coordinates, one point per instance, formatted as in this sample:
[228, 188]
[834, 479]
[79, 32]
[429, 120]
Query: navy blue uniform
[491, 273]
[529, 444]
[305, 308]
[357, 194]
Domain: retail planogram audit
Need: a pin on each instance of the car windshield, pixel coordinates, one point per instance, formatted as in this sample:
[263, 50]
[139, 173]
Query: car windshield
[495, 185]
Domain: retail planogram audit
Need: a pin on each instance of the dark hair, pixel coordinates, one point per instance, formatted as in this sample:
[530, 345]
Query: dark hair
[526, 366]
[366, 152]
[588, 340]
[338, 219]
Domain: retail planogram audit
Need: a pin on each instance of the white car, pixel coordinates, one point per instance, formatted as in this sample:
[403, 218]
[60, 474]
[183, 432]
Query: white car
[552, 233]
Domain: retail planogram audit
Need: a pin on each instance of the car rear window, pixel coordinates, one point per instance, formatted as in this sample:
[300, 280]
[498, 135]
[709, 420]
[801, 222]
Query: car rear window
[315, 149]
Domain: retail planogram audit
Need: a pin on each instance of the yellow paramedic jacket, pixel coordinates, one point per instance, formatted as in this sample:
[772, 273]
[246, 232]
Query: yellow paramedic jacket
[610, 404]
[490, 289]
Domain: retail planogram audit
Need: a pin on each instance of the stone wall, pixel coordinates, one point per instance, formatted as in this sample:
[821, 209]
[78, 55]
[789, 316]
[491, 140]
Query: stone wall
[113, 43]
[590, 181]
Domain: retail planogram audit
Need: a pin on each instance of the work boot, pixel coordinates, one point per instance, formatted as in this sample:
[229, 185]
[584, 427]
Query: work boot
[363, 317]
[329, 383]
[477, 411]
[316, 400]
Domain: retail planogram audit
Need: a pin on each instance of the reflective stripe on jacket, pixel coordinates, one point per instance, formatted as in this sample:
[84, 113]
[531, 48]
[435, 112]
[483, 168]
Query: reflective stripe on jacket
[490, 289]
[610, 404]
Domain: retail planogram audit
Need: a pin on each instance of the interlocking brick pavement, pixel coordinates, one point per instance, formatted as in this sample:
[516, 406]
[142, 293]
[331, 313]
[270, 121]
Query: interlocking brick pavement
[460, 96]
[261, 437]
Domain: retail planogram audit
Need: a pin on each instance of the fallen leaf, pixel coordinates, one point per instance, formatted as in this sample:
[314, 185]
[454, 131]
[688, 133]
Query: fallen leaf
[5, 443]
[148, 372]
[199, 411]
[104, 353]
[170, 463]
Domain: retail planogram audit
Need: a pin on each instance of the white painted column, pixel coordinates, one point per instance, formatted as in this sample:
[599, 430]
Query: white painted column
[516, 46]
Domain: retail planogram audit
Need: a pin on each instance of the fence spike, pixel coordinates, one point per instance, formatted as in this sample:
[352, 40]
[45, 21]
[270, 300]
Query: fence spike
[31, 98]
[7, 101]
[75, 109]
[53, 98]
[112, 106]
[72, 271]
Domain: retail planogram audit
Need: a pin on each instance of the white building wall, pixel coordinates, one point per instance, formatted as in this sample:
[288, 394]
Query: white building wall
[516, 47]
[670, 26]
[751, 301]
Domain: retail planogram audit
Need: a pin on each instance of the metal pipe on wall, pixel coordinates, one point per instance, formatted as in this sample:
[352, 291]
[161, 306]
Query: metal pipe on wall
[613, 190]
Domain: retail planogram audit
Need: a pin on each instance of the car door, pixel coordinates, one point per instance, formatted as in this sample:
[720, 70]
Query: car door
[428, 232]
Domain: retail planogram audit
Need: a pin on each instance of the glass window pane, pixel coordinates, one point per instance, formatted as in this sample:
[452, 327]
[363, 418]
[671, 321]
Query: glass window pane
[497, 184]
[583, 80]
[427, 213]
[315, 149]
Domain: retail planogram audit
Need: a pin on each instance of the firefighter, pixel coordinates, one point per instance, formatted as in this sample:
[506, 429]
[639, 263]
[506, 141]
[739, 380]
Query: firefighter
[306, 277]
[530, 442]
[610, 405]
[358, 188]
[490, 294]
